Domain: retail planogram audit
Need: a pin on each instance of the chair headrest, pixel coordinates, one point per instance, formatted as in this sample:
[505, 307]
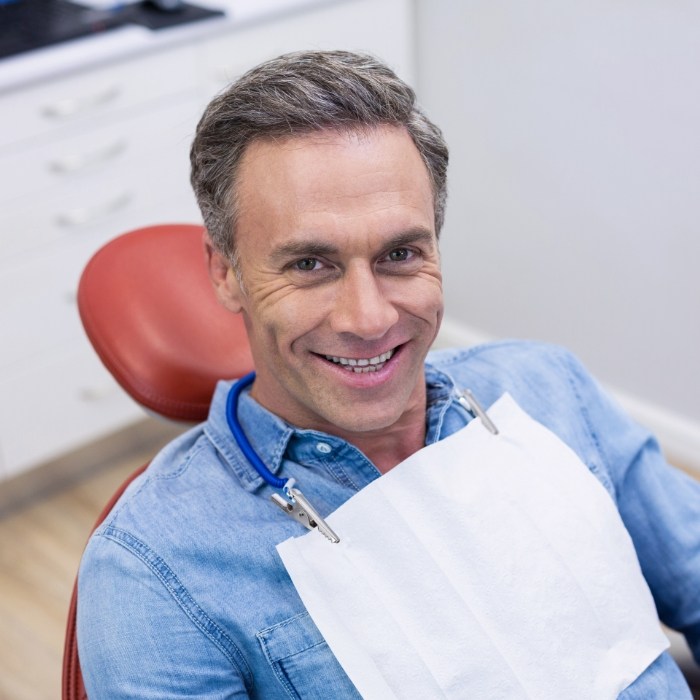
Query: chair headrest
[150, 312]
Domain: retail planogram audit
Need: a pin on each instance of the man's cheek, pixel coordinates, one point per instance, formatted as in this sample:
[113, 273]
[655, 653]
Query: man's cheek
[423, 301]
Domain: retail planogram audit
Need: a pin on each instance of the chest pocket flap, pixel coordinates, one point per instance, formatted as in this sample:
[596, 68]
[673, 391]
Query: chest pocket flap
[302, 661]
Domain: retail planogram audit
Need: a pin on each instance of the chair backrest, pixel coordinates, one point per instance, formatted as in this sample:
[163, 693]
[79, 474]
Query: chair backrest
[149, 310]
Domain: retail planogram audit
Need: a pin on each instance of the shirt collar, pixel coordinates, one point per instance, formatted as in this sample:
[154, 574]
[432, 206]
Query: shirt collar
[441, 395]
[269, 435]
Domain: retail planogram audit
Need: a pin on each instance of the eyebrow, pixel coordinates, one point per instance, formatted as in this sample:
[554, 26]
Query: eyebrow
[314, 248]
[413, 235]
[303, 249]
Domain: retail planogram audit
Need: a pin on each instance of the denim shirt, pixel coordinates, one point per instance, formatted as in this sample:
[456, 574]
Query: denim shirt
[181, 590]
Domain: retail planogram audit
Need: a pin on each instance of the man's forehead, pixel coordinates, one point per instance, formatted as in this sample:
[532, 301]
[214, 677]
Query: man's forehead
[334, 183]
[317, 144]
[331, 162]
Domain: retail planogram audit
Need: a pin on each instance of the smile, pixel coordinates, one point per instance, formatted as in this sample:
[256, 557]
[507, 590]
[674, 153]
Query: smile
[362, 366]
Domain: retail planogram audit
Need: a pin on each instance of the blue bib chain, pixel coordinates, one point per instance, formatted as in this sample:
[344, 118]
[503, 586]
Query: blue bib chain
[293, 503]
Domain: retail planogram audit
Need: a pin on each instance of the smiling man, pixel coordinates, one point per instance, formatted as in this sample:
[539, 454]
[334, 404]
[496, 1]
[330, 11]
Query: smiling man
[338, 280]
[322, 186]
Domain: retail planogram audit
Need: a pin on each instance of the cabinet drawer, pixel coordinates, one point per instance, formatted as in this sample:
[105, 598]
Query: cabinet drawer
[94, 95]
[123, 148]
[103, 209]
[58, 406]
[101, 205]
[38, 310]
[38, 306]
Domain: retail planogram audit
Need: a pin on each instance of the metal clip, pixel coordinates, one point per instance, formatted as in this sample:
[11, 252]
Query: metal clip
[296, 506]
[468, 400]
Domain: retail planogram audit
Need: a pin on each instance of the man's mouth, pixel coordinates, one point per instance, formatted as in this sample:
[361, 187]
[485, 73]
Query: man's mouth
[362, 365]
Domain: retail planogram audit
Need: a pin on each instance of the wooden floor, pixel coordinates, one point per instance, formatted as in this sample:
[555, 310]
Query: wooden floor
[40, 547]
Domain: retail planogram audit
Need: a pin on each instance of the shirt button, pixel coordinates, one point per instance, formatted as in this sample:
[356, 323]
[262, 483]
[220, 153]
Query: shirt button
[323, 447]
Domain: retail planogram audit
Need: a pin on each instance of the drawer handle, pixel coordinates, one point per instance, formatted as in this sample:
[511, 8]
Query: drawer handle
[86, 215]
[73, 107]
[75, 163]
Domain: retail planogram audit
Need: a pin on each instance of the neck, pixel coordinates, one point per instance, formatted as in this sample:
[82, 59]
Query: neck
[391, 445]
[388, 451]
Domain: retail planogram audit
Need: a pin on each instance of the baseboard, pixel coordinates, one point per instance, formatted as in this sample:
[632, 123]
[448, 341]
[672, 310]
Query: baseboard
[679, 436]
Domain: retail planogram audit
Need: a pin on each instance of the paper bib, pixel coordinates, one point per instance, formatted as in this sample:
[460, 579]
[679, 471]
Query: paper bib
[484, 566]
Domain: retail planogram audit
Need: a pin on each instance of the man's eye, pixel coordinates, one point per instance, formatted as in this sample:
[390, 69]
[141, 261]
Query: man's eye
[306, 264]
[399, 255]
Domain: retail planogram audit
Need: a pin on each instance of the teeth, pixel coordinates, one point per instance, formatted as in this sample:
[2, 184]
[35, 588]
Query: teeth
[362, 366]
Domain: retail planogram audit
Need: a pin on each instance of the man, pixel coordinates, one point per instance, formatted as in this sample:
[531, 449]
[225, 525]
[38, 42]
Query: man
[322, 187]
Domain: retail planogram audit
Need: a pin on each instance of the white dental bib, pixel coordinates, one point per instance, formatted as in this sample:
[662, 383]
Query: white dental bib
[485, 566]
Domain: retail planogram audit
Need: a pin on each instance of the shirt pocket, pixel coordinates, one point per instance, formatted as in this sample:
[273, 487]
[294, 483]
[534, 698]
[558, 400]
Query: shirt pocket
[302, 661]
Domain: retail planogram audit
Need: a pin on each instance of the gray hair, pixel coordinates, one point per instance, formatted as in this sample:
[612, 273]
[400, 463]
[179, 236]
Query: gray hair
[294, 95]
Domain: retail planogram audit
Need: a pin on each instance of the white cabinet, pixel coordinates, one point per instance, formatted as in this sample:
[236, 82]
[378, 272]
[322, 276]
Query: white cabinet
[99, 152]
[81, 160]
[87, 182]
[92, 96]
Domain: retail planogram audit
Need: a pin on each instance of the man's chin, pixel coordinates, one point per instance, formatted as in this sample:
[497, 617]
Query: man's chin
[361, 426]
[361, 419]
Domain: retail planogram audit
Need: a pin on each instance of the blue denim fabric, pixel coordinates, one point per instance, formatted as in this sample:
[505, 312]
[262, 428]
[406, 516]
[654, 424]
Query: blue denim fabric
[181, 591]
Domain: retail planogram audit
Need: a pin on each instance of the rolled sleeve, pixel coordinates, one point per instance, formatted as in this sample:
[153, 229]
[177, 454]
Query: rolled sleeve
[659, 504]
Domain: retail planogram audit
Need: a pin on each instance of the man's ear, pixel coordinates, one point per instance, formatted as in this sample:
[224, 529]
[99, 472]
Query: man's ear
[223, 277]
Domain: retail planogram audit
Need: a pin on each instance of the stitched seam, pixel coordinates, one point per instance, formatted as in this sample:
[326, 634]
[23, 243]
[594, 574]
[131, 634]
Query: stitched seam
[277, 670]
[276, 665]
[602, 476]
[264, 634]
[336, 468]
[216, 634]
[148, 478]
[199, 446]
[442, 413]
[281, 447]
[303, 651]
[284, 623]
[147, 396]
[242, 471]
[460, 356]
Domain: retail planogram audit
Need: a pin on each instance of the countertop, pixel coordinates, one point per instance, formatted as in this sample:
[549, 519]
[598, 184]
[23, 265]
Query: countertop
[24, 70]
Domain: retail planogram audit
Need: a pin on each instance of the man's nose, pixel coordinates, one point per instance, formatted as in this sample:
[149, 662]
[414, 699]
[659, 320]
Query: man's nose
[361, 305]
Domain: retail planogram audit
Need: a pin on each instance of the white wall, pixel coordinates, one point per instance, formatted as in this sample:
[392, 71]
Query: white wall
[574, 211]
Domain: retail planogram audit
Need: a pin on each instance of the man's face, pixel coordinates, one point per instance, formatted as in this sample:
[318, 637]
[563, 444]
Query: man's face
[341, 288]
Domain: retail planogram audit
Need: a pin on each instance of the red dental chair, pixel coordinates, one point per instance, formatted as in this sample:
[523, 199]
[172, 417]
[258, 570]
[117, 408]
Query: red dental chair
[150, 312]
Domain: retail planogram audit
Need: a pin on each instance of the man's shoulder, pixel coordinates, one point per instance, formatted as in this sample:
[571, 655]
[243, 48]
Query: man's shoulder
[181, 480]
[544, 379]
[504, 359]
